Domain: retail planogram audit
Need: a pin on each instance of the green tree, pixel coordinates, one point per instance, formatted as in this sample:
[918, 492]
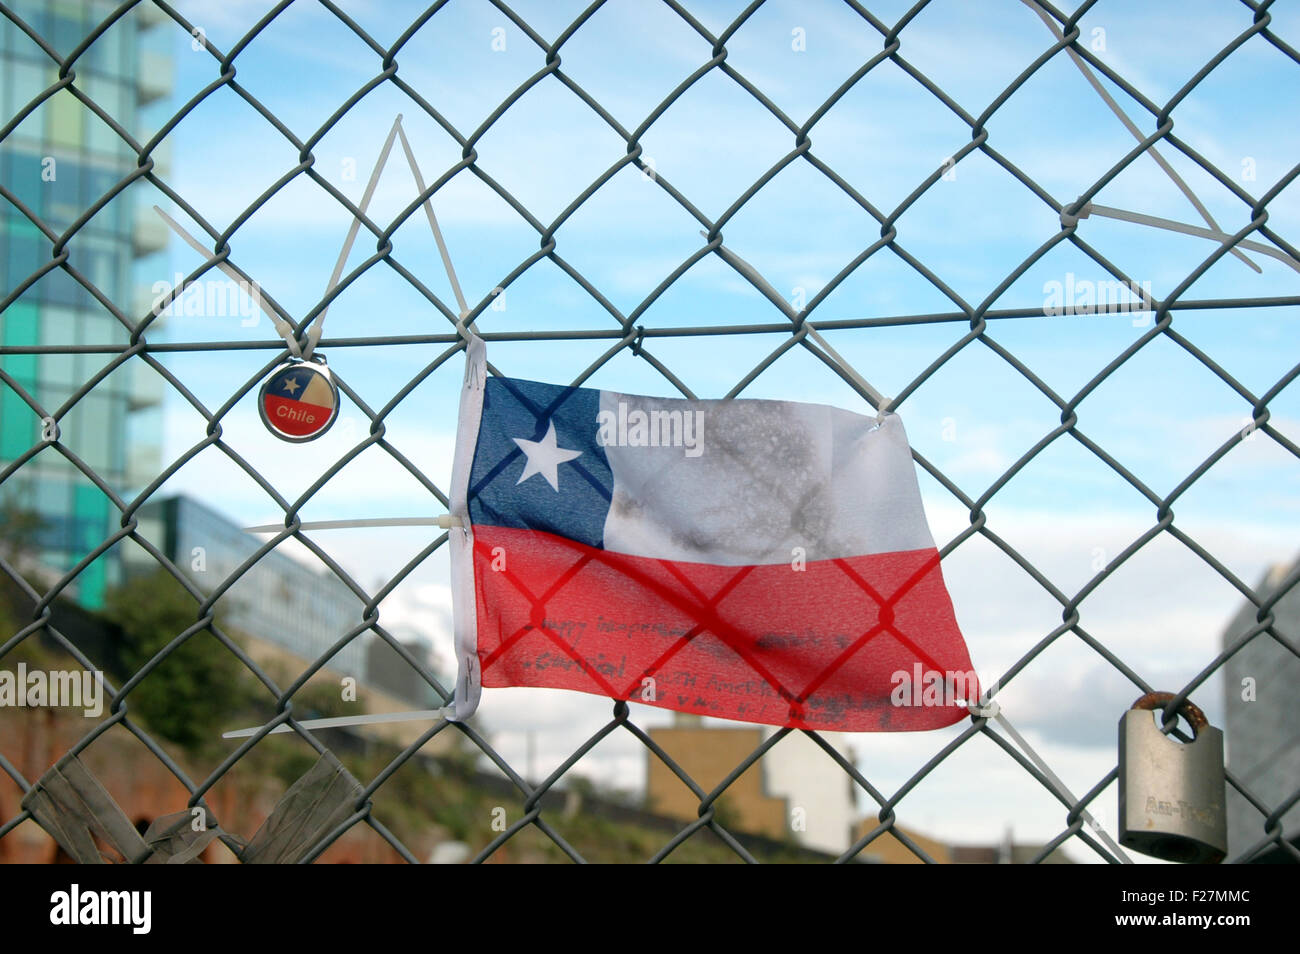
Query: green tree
[20, 530]
[198, 686]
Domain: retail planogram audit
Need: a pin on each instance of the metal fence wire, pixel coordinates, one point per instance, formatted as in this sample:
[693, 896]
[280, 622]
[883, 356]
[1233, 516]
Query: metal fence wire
[351, 803]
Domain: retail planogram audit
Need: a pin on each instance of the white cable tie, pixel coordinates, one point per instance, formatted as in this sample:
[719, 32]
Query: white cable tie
[766, 289]
[433, 221]
[1132, 127]
[984, 710]
[445, 521]
[339, 722]
[318, 324]
[1059, 785]
[279, 323]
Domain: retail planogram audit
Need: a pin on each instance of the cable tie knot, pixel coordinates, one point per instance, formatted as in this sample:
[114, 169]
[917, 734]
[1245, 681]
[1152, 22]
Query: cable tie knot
[988, 709]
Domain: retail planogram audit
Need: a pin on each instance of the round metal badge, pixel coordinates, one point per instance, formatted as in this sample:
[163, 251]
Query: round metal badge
[299, 401]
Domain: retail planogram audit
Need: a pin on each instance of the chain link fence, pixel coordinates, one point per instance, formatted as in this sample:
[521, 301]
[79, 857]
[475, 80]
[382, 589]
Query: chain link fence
[326, 802]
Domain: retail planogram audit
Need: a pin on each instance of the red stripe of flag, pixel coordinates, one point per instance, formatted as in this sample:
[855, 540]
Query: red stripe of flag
[814, 648]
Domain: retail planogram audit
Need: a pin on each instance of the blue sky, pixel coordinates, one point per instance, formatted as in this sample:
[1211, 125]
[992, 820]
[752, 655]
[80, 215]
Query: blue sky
[1161, 414]
[884, 137]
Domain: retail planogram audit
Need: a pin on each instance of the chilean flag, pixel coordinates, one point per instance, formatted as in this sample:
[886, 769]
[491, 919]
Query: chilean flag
[763, 561]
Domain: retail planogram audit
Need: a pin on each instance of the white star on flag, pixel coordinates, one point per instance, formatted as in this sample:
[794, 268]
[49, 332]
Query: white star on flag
[544, 457]
[291, 385]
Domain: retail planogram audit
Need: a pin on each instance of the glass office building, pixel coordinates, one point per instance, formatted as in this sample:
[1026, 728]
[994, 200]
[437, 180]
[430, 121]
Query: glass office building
[58, 162]
[278, 599]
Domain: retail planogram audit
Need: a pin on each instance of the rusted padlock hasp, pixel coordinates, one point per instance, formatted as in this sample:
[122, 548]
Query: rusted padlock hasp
[1187, 709]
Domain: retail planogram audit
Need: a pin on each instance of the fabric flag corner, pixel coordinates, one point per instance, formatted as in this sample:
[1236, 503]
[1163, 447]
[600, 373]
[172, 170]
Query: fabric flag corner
[762, 561]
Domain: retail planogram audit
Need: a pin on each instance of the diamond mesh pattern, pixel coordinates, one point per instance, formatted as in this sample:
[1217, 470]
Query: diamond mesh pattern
[1153, 132]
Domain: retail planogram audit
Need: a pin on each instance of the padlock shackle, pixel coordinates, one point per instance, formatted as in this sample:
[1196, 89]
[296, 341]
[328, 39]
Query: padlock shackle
[1189, 711]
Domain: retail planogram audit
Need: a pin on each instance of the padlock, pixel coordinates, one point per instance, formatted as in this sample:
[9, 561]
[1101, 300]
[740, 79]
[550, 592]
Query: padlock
[1171, 793]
